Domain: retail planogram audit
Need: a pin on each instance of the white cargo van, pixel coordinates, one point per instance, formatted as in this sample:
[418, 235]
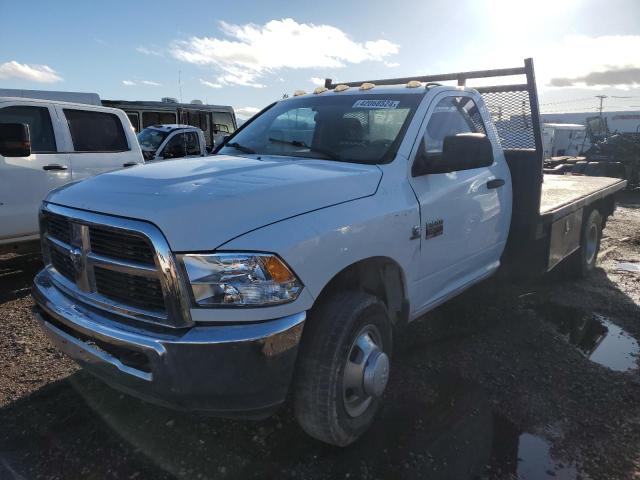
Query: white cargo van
[65, 142]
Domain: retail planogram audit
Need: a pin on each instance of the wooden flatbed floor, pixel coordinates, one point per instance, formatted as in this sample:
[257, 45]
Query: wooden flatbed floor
[563, 194]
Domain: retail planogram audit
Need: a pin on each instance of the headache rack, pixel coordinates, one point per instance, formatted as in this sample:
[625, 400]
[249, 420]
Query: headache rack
[513, 107]
[515, 114]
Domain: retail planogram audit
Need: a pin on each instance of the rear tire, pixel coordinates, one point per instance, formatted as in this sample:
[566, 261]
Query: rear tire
[584, 260]
[343, 367]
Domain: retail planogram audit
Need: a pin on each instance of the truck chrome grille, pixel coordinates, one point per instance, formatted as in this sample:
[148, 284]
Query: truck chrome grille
[114, 264]
[121, 245]
[59, 227]
[62, 264]
[133, 290]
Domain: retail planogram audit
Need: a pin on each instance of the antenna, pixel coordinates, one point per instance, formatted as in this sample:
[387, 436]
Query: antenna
[180, 83]
[601, 97]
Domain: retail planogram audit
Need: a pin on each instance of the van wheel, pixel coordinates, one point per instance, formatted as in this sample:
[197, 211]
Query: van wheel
[584, 260]
[343, 367]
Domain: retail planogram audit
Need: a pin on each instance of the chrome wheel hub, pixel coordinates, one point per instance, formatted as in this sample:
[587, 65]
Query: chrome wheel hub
[366, 371]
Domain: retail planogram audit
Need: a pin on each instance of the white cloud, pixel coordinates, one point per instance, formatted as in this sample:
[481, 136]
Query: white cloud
[245, 53]
[210, 84]
[138, 83]
[317, 81]
[149, 51]
[572, 57]
[23, 71]
[579, 56]
[391, 64]
[246, 112]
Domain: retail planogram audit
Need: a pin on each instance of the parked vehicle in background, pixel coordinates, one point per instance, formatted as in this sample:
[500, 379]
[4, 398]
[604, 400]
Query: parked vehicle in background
[163, 142]
[605, 154]
[564, 139]
[67, 142]
[216, 121]
[284, 267]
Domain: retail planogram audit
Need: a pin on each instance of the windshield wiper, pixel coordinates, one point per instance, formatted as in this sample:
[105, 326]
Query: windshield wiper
[237, 146]
[298, 143]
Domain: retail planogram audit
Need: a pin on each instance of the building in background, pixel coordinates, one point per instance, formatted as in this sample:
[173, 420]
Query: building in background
[627, 121]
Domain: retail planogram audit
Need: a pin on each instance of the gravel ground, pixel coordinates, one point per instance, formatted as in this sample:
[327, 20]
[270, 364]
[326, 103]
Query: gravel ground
[501, 383]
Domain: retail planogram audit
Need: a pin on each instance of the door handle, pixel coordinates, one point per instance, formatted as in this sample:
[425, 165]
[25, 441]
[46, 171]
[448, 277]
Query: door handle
[54, 166]
[129, 164]
[495, 183]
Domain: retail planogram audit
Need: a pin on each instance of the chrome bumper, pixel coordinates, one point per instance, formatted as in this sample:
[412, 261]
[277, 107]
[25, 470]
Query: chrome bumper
[230, 369]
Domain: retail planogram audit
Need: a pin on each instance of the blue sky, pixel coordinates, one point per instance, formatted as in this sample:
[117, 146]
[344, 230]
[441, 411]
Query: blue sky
[247, 54]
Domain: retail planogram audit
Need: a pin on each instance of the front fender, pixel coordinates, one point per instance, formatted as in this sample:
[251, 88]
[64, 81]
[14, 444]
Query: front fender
[320, 244]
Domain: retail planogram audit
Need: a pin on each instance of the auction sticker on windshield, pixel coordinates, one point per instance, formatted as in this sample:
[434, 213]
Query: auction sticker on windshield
[376, 104]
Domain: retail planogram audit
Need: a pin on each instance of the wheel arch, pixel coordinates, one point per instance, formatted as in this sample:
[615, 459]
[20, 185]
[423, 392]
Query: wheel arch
[380, 276]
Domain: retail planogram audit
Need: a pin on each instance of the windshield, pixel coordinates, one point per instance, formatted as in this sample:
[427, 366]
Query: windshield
[150, 139]
[348, 128]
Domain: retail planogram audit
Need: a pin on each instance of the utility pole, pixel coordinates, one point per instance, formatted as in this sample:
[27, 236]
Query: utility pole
[601, 97]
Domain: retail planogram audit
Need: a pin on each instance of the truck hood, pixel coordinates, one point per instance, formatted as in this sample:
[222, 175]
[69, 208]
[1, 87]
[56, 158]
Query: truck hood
[201, 203]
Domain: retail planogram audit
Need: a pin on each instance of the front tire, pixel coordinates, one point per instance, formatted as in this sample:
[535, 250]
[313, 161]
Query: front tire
[343, 367]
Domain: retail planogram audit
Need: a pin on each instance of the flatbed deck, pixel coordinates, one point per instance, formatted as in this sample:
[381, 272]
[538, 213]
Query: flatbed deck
[563, 194]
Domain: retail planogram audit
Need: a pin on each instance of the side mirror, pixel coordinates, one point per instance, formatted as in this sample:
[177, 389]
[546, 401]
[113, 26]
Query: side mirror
[464, 151]
[15, 140]
[225, 139]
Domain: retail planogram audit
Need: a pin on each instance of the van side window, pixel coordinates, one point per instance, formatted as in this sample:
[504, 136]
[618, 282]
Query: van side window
[452, 115]
[40, 127]
[133, 118]
[222, 119]
[157, 118]
[96, 131]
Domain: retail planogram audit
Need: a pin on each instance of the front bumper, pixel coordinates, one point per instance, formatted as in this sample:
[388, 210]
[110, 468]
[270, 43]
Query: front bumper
[228, 370]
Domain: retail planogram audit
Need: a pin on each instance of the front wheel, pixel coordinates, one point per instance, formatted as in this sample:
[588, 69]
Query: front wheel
[343, 367]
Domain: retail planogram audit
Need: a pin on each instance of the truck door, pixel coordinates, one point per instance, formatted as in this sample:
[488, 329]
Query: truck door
[465, 214]
[98, 142]
[26, 181]
[180, 145]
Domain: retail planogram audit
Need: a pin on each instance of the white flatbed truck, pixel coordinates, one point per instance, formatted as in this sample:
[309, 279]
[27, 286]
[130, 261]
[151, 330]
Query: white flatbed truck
[285, 264]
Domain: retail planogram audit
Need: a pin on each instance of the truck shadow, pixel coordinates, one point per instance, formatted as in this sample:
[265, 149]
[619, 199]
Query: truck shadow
[439, 428]
[16, 275]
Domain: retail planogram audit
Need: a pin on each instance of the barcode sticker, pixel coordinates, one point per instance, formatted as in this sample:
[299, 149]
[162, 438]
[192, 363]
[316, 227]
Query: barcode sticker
[376, 104]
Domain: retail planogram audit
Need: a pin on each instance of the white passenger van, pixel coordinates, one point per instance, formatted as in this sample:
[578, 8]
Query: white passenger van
[61, 143]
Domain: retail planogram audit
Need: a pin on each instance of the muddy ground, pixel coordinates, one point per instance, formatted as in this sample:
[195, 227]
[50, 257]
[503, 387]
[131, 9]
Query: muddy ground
[528, 381]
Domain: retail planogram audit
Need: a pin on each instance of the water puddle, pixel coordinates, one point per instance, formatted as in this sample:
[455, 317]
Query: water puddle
[524, 455]
[595, 336]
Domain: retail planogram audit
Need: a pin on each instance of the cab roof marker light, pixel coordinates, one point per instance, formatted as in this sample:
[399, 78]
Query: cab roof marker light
[413, 84]
[367, 86]
[319, 90]
[341, 88]
[297, 93]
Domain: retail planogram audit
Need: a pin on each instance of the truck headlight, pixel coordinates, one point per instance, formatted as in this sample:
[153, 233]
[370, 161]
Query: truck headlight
[240, 279]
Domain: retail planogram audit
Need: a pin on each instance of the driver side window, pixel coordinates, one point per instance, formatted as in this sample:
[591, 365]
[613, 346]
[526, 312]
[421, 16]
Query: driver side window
[452, 115]
[181, 145]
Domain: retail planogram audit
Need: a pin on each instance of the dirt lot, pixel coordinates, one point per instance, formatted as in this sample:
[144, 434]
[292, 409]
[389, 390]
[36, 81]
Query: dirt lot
[522, 382]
